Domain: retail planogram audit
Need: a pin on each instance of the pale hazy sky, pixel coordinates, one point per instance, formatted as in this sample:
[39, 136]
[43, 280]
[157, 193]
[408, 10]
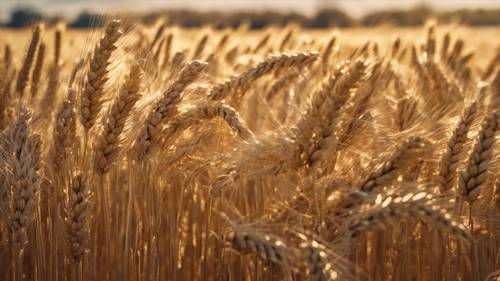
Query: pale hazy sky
[354, 7]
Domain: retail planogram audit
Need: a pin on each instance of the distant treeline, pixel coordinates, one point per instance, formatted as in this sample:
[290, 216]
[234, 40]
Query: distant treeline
[322, 19]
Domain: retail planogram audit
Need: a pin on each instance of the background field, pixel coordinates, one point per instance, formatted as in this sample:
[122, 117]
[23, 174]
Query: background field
[149, 151]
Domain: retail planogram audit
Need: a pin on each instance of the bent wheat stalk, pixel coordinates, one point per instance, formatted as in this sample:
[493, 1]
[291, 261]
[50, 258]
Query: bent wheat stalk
[207, 112]
[410, 206]
[239, 84]
[165, 108]
[264, 246]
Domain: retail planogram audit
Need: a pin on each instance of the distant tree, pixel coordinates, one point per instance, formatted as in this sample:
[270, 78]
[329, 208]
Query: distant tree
[329, 17]
[23, 17]
[413, 17]
[87, 20]
[477, 17]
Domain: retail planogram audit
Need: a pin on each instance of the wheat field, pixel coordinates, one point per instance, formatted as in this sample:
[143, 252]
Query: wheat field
[152, 152]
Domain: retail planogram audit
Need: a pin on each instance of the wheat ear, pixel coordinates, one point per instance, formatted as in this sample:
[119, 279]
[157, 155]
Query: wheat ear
[37, 71]
[156, 56]
[54, 72]
[445, 46]
[90, 101]
[77, 217]
[491, 67]
[471, 180]
[390, 165]
[262, 43]
[264, 246]
[7, 56]
[406, 113]
[206, 112]
[286, 40]
[64, 132]
[24, 160]
[200, 47]
[158, 35]
[5, 176]
[495, 84]
[410, 206]
[305, 127]
[431, 43]
[178, 62]
[357, 116]
[165, 108]
[454, 148]
[223, 42]
[57, 46]
[107, 147]
[185, 149]
[396, 46]
[239, 84]
[319, 268]
[24, 72]
[269, 156]
[6, 96]
[327, 52]
[167, 51]
[496, 196]
[455, 53]
[329, 111]
[282, 83]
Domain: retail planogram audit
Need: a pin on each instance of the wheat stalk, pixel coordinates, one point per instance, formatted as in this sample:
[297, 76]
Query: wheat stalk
[406, 113]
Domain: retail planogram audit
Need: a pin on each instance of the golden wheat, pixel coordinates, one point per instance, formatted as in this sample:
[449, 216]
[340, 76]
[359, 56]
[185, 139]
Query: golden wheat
[282, 154]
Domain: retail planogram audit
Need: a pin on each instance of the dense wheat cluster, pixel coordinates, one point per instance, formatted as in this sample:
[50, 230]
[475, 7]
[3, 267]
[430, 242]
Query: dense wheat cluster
[141, 152]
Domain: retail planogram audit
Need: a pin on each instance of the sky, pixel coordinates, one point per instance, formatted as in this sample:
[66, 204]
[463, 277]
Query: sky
[70, 8]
